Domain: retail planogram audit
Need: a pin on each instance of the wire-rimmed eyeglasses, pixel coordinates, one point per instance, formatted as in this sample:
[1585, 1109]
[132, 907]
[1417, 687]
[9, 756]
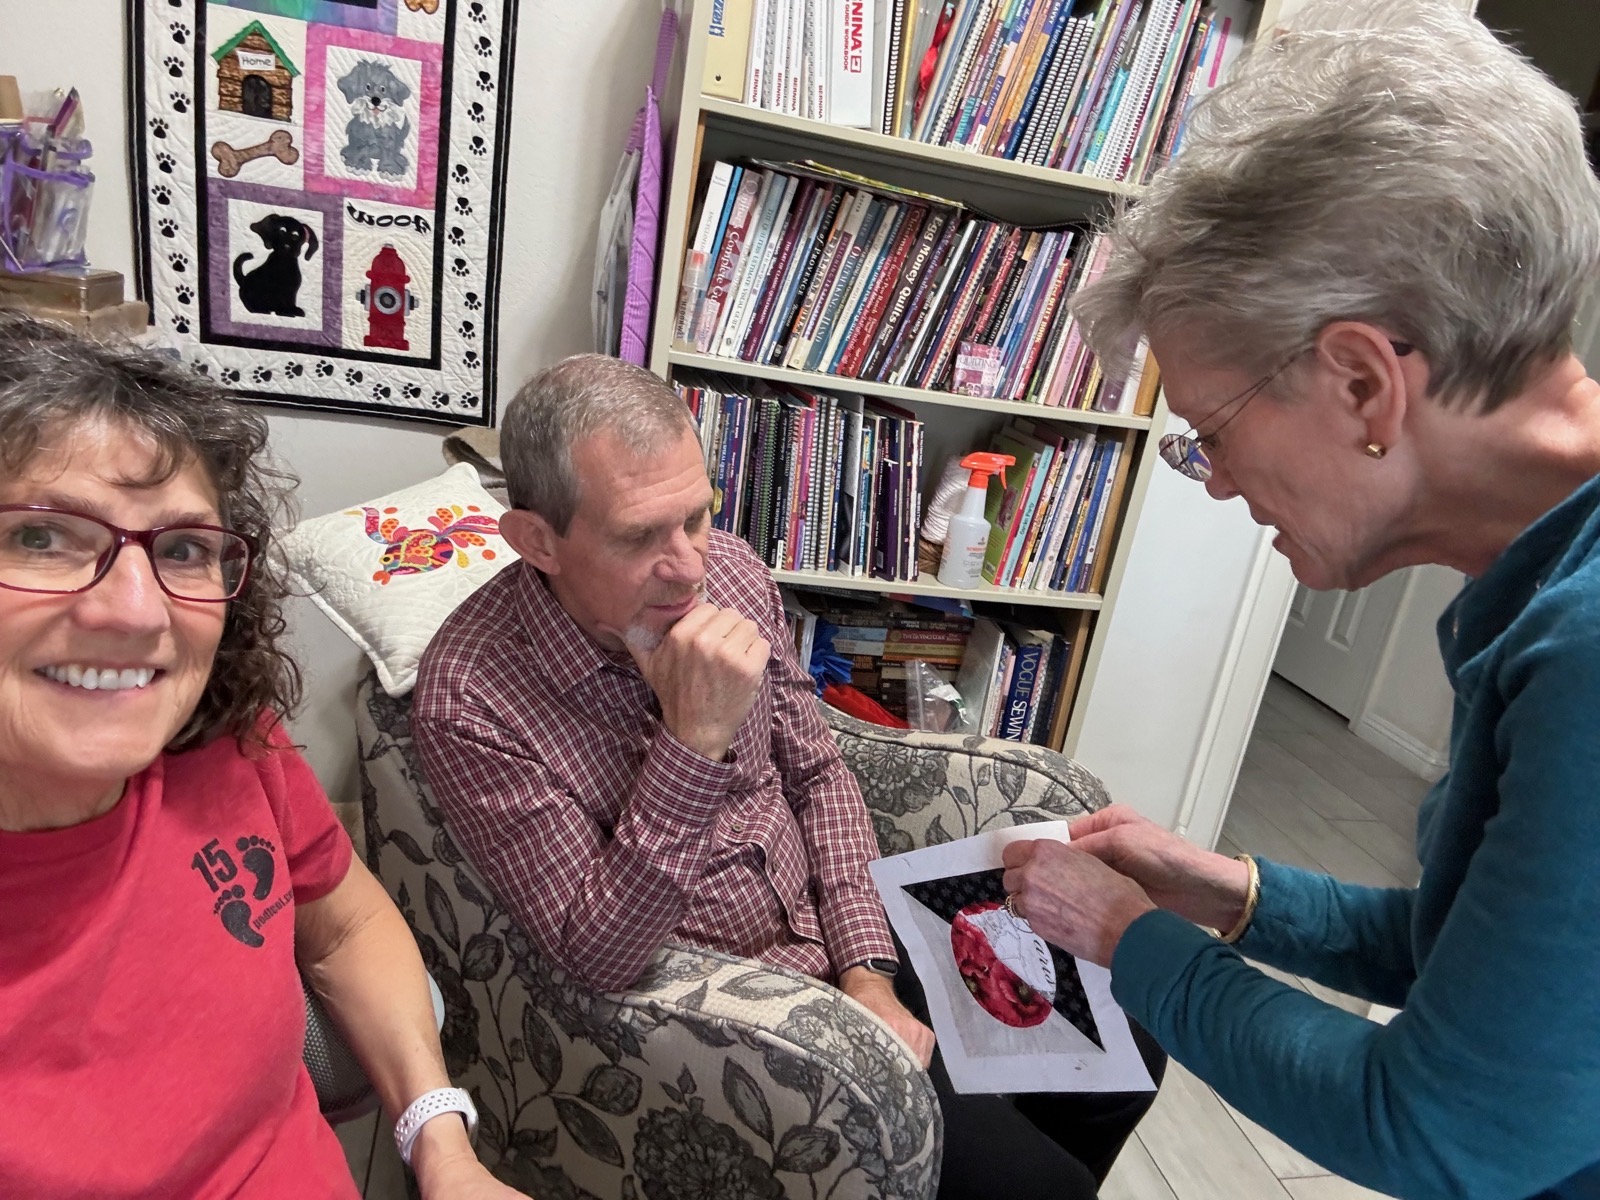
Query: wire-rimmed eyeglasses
[59, 552]
[1186, 453]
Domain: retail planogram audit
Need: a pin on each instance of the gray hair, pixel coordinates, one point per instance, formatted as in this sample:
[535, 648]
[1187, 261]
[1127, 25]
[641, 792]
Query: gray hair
[1386, 161]
[577, 398]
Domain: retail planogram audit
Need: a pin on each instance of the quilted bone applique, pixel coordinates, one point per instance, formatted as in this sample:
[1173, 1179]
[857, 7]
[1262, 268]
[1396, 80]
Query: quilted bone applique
[409, 551]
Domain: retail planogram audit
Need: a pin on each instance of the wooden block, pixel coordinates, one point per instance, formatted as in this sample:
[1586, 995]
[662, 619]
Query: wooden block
[65, 289]
[127, 320]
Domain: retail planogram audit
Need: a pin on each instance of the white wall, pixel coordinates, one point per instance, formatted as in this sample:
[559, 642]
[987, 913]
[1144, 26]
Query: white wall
[580, 74]
[1166, 666]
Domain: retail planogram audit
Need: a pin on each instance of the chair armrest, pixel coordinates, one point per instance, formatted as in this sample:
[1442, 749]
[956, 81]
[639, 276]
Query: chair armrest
[714, 1075]
[922, 789]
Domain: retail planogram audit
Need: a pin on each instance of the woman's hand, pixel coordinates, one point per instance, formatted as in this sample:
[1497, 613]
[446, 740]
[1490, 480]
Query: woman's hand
[447, 1169]
[1072, 899]
[1203, 887]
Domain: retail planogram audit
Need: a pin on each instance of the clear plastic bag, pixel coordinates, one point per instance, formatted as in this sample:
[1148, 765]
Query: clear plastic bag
[932, 704]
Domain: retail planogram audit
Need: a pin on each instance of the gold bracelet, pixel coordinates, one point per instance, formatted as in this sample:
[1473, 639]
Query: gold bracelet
[1251, 899]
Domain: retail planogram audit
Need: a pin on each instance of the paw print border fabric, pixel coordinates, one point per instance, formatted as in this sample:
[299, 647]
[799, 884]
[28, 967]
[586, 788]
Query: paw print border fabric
[319, 194]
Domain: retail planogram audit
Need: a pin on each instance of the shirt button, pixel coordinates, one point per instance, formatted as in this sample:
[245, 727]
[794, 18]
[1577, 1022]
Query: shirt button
[736, 826]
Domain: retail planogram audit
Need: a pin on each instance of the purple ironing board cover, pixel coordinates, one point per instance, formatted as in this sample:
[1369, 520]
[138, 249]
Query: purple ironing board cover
[646, 139]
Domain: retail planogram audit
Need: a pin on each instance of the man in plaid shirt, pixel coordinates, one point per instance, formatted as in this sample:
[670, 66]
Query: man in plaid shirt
[623, 743]
[615, 729]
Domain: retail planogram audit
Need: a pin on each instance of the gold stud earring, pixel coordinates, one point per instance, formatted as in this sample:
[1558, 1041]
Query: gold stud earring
[1375, 450]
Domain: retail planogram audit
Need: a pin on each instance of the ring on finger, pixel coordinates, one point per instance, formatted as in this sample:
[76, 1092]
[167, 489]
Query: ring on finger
[1011, 906]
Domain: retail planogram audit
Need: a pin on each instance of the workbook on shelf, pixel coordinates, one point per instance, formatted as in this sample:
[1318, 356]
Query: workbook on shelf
[853, 291]
[1098, 87]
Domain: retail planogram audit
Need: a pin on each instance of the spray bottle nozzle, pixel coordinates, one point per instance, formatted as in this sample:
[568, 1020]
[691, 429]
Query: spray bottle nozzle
[985, 463]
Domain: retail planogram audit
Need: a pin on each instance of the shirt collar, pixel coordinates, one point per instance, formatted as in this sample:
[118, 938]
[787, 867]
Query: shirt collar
[1545, 552]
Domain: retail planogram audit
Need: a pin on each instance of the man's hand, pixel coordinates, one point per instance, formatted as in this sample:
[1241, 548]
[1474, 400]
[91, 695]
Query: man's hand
[1071, 899]
[876, 993]
[706, 673]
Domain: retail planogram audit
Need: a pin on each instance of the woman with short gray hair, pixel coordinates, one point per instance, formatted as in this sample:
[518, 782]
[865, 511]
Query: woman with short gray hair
[1360, 280]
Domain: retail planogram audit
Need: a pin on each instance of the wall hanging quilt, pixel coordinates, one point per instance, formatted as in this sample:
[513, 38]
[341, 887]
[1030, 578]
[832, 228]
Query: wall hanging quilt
[319, 191]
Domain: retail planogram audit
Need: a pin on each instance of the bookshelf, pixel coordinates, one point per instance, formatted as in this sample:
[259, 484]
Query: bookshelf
[709, 130]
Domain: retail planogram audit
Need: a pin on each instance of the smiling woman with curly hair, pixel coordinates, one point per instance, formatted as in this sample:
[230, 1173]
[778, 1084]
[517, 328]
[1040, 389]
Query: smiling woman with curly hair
[168, 865]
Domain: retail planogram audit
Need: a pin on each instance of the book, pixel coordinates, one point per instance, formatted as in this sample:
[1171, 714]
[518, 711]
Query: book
[727, 48]
[1064, 508]
[844, 528]
[807, 250]
[824, 239]
[1023, 25]
[939, 288]
[848, 318]
[1033, 458]
[1032, 648]
[916, 264]
[758, 60]
[850, 57]
[887, 59]
[786, 234]
[815, 98]
[698, 263]
[1065, 72]
[727, 261]
[1117, 479]
[1112, 23]
[852, 257]
[1036, 70]
[835, 256]
[1043, 714]
[879, 292]
[763, 210]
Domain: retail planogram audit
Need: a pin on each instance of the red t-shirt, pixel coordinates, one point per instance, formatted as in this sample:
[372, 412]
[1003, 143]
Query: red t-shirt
[151, 1017]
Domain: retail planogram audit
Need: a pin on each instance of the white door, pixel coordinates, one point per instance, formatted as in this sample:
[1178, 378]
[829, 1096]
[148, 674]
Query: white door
[1332, 641]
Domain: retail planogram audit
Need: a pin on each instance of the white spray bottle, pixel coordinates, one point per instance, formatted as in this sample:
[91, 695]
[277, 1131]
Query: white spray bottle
[961, 564]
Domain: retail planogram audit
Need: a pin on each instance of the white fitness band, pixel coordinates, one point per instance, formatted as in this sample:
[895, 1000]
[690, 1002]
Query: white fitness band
[424, 1108]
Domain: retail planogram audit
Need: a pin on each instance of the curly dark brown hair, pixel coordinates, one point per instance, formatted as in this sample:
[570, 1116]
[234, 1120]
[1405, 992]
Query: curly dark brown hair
[52, 380]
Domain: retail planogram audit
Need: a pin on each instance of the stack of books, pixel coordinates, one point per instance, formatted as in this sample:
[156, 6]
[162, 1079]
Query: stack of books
[1046, 521]
[799, 266]
[879, 640]
[812, 481]
[1011, 679]
[1100, 87]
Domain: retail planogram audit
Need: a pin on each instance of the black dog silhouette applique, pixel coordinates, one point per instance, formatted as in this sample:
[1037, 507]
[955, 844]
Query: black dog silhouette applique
[272, 286]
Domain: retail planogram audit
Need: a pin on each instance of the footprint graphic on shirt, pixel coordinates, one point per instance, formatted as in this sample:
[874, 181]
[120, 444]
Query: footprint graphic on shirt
[235, 914]
[256, 855]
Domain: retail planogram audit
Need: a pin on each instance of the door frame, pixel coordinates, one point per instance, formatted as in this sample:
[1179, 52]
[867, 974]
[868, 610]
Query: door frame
[1241, 682]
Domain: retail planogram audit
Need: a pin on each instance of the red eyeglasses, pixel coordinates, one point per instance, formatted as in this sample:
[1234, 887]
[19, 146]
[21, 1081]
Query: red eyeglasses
[57, 551]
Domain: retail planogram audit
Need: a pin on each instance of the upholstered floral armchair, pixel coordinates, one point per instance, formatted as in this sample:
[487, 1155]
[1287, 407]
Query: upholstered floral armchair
[715, 1076]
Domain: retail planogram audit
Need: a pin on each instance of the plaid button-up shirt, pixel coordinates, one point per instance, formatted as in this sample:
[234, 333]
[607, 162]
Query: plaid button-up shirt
[603, 834]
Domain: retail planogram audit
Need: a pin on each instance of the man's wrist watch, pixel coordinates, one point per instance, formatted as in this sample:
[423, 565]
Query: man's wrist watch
[879, 966]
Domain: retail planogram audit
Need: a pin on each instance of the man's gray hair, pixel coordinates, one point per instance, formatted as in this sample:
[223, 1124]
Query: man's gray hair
[575, 399]
[1386, 161]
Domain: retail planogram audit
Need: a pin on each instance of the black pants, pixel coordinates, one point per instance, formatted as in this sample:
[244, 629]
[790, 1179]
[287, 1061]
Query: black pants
[1033, 1146]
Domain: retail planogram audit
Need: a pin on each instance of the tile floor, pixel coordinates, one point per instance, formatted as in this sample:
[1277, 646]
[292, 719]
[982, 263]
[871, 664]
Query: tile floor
[1310, 793]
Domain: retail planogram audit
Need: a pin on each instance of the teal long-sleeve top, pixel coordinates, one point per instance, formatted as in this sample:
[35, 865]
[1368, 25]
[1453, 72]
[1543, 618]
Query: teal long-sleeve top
[1487, 1084]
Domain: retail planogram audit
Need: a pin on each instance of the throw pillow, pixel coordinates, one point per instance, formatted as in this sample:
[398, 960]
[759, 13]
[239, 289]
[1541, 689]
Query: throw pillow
[388, 572]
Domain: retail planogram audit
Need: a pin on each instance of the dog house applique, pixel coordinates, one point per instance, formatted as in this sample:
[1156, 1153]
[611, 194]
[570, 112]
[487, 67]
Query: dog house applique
[255, 78]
